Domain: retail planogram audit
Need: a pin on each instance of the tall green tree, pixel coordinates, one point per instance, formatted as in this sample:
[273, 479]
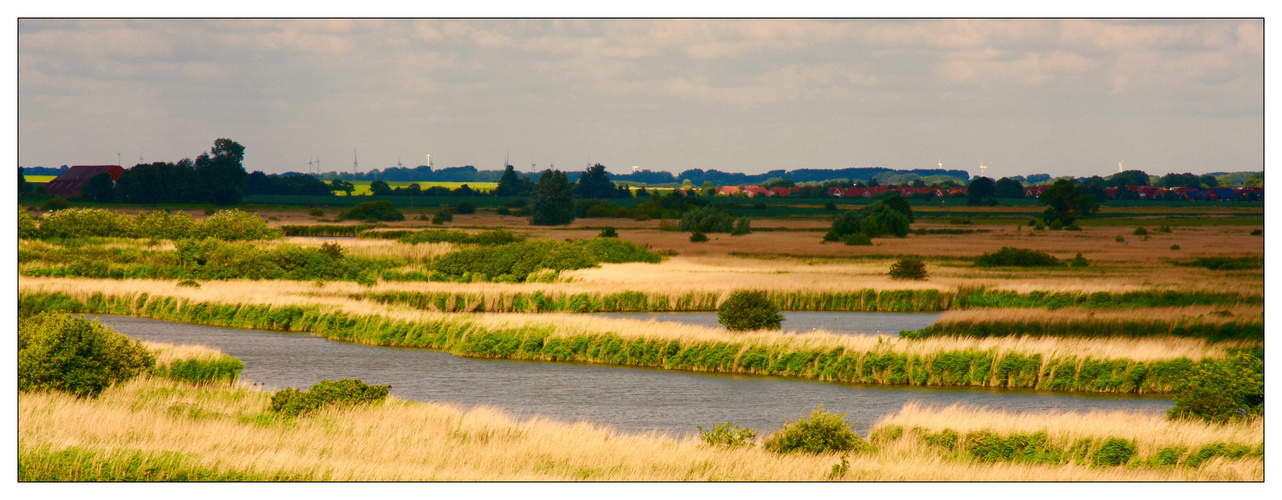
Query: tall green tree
[220, 174]
[1066, 204]
[99, 189]
[1008, 188]
[594, 183]
[552, 200]
[981, 190]
[341, 185]
[1128, 178]
[380, 188]
[512, 183]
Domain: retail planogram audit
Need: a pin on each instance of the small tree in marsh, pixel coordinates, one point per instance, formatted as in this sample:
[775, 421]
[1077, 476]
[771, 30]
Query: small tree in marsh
[821, 432]
[749, 310]
[60, 352]
[908, 268]
[1222, 390]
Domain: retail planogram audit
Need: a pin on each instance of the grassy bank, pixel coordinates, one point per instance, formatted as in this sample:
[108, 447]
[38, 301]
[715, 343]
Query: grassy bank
[1095, 365]
[1241, 323]
[153, 429]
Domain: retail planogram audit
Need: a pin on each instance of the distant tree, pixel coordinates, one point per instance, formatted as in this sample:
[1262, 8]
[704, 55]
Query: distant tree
[99, 189]
[594, 183]
[341, 185]
[1065, 204]
[24, 187]
[1128, 178]
[1209, 181]
[160, 182]
[878, 219]
[1179, 180]
[512, 183]
[379, 188]
[1008, 188]
[893, 200]
[981, 190]
[749, 310]
[552, 200]
[221, 176]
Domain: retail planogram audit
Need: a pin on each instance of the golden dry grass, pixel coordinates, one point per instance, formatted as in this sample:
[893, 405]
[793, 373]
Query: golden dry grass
[1200, 314]
[400, 441]
[337, 297]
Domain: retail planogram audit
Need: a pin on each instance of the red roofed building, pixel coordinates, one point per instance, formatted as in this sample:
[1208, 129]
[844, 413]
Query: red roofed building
[754, 191]
[68, 184]
[782, 191]
[728, 190]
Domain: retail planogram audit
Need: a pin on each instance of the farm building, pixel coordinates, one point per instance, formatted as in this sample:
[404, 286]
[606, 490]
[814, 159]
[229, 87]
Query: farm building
[67, 185]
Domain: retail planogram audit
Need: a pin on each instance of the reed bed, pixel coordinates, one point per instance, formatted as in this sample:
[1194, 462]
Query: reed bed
[152, 429]
[1099, 365]
[1212, 323]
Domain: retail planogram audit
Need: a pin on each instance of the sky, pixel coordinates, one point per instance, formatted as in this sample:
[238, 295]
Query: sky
[1063, 97]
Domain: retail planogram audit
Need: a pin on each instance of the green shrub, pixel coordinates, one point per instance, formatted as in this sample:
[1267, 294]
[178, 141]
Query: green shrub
[1175, 247]
[27, 228]
[1257, 232]
[1032, 223]
[189, 283]
[465, 208]
[504, 211]
[59, 352]
[741, 227]
[83, 222]
[1227, 263]
[1114, 452]
[608, 232]
[1017, 257]
[698, 237]
[316, 212]
[821, 432]
[233, 225]
[830, 206]
[373, 210]
[292, 402]
[446, 214]
[709, 219]
[1073, 227]
[878, 219]
[1120, 239]
[514, 262]
[55, 203]
[854, 239]
[959, 221]
[727, 436]
[1222, 390]
[909, 268]
[749, 310]
[1078, 261]
[1056, 225]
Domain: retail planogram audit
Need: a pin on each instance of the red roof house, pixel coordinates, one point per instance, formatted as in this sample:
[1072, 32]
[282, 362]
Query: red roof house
[67, 185]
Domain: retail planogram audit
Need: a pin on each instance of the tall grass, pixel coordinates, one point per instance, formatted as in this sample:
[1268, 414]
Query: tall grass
[157, 430]
[1122, 366]
[1197, 322]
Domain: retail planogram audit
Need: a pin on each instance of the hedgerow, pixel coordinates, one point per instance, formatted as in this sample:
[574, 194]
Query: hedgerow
[516, 262]
[72, 223]
[291, 402]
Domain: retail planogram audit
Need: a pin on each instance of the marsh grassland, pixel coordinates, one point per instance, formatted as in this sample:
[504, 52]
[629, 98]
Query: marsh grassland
[1146, 315]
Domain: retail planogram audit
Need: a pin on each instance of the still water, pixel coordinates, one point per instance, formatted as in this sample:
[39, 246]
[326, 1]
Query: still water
[628, 399]
[838, 322]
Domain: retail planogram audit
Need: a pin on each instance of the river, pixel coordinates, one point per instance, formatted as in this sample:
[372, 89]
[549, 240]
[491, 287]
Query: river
[634, 400]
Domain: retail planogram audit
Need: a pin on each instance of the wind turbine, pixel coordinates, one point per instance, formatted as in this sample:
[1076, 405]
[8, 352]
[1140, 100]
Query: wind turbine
[355, 164]
[1119, 166]
[982, 168]
[429, 160]
[532, 164]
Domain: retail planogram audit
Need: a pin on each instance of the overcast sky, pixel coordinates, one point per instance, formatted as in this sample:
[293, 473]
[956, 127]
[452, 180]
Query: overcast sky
[1069, 97]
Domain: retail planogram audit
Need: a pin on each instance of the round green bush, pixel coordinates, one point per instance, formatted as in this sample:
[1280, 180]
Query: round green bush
[346, 392]
[746, 310]
[1017, 257]
[373, 210]
[465, 208]
[821, 432]
[608, 232]
[908, 269]
[60, 352]
[698, 237]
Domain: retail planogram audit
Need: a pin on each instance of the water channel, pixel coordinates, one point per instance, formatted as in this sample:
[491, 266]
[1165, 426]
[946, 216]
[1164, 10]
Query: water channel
[627, 399]
[837, 322]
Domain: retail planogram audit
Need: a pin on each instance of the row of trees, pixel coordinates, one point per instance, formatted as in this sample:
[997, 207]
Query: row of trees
[214, 177]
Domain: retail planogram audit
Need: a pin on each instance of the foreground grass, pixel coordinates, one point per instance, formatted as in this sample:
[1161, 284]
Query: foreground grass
[160, 430]
[1125, 365]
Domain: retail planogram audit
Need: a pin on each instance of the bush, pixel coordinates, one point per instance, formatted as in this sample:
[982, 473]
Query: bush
[202, 371]
[749, 310]
[1073, 227]
[27, 228]
[1140, 231]
[878, 219]
[465, 208]
[1078, 261]
[82, 222]
[373, 210]
[821, 432]
[709, 219]
[1114, 452]
[727, 436]
[232, 225]
[1017, 257]
[1120, 239]
[830, 206]
[741, 227]
[698, 237]
[857, 239]
[445, 214]
[1257, 232]
[292, 402]
[908, 269]
[608, 232]
[1222, 390]
[504, 211]
[55, 203]
[1175, 247]
[316, 212]
[59, 352]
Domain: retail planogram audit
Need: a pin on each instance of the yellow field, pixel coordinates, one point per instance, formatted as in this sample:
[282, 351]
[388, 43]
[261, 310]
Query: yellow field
[40, 178]
[362, 187]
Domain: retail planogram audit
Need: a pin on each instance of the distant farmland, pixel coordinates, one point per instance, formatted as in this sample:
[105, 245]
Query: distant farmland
[362, 187]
